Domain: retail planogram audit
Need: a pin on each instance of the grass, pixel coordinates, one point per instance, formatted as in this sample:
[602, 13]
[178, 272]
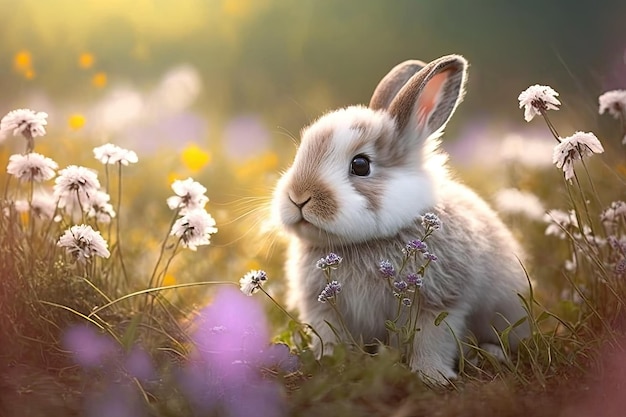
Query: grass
[143, 334]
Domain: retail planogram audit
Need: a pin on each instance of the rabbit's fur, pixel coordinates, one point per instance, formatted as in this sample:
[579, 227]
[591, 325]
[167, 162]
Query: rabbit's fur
[325, 207]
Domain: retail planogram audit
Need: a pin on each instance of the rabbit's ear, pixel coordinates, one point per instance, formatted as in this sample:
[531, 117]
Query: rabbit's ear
[429, 98]
[389, 86]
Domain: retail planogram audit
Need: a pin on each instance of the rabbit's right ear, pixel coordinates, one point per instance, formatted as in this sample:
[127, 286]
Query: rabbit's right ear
[389, 86]
[427, 100]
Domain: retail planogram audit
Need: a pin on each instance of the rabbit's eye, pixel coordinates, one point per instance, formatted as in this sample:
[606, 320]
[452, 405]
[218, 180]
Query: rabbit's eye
[360, 166]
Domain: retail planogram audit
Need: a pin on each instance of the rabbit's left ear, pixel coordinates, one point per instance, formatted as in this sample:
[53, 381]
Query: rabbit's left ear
[427, 100]
[388, 87]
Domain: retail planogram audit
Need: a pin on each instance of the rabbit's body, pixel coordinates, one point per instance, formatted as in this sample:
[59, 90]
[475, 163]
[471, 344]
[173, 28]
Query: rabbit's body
[359, 184]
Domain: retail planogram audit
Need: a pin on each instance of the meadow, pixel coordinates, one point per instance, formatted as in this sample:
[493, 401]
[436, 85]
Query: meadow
[141, 275]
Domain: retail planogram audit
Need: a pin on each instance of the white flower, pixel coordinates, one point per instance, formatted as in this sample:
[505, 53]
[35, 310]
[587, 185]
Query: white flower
[613, 212]
[189, 195]
[514, 201]
[43, 205]
[252, 281]
[100, 208]
[32, 167]
[559, 222]
[194, 228]
[75, 181]
[538, 97]
[574, 147]
[24, 120]
[614, 102]
[112, 154]
[82, 242]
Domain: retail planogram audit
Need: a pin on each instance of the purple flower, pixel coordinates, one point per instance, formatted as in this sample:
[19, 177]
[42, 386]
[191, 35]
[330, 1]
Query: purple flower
[620, 267]
[430, 256]
[386, 269]
[330, 261]
[415, 246]
[330, 291]
[431, 221]
[415, 279]
[406, 302]
[400, 286]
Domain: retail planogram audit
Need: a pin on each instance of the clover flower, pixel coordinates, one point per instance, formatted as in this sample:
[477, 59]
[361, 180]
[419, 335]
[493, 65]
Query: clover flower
[537, 99]
[100, 208]
[386, 269]
[613, 102]
[252, 281]
[431, 220]
[414, 246]
[330, 261]
[83, 243]
[415, 280]
[194, 228]
[75, 181]
[330, 291]
[574, 147]
[24, 122]
[189, 195]
[112, 154]
[32, 167]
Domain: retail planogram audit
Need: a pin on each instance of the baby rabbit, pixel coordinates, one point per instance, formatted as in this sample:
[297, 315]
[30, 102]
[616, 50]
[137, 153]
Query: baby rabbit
[361, 179]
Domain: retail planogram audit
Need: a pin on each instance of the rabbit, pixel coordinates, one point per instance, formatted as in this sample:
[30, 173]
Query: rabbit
[359, 183]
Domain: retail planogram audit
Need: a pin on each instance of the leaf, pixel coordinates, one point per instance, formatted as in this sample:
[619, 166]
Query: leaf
[391, 326]
[441, 317]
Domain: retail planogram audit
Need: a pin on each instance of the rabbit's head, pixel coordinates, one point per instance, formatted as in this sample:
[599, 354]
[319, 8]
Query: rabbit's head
[362, 173]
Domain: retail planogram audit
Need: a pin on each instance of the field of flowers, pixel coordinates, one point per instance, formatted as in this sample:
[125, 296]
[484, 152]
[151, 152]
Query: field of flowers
[142, 276]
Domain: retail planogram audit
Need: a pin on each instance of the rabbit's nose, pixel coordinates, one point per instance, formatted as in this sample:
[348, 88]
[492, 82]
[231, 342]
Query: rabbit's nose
[299, 202]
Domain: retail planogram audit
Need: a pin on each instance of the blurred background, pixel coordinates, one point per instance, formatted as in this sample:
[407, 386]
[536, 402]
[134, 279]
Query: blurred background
[219, 89]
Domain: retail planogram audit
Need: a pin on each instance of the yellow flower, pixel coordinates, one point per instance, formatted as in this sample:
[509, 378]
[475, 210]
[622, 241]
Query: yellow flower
[169, 280]
[86, 60]
[99, 79]
[194, 158]
[29, 74]
[76, 121]
[23, 61]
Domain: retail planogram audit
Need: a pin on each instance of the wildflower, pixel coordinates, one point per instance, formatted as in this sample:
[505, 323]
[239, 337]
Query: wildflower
[189, 195]
[414, 246]
[24, 122]
[537, 99]
[32, 167]
[330, 291]
[82, 242]
[612, 213]
[112, 154]
[414, 279]
[406, 302]
[75, 181]
[330, 261]
[400, 286]
[43, 205]
[559, 221]
[252, 281]
[620, 267]
[614, 102]
[430, 257]
[431, 221]
[386, 269]
[575, 147]
[100, 208]
[514, 201]
[194, 228]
